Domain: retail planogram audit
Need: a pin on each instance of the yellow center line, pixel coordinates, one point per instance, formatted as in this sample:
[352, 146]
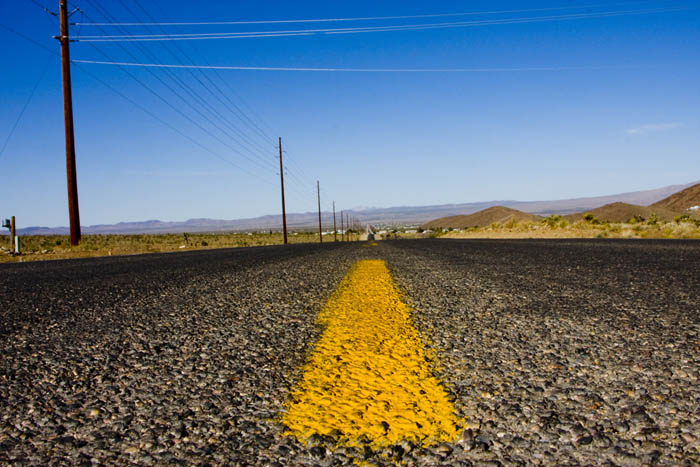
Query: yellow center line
[367, 380]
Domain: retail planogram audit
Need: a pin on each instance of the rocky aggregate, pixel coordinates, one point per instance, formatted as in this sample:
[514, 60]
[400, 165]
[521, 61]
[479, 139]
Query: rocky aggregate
[576, 352]
[554, 352]
[158, 359]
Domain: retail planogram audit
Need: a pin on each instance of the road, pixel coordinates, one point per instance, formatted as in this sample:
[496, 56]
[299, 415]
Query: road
[565, 352]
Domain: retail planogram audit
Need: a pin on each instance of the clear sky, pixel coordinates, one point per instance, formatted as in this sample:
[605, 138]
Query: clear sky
[562, 100]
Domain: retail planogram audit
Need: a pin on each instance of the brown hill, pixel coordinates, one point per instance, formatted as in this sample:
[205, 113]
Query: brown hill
[681, 201]
[622, 212]
[495, 214]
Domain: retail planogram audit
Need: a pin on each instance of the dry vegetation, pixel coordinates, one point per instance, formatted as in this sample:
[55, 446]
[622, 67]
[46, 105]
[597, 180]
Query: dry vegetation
[495, 214]
[43, 247]
[591, 227]
[616, 212]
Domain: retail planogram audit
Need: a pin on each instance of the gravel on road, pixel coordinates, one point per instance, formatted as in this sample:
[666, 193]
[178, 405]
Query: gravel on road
[566, 352]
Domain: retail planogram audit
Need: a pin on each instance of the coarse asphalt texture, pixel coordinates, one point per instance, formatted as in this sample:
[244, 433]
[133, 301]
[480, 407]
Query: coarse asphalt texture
[554, 352]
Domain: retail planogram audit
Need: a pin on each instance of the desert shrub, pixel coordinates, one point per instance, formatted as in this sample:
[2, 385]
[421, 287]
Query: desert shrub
[563, 223]
[204, 243]
[552, 221]
[685, 218]
[591, 219]
[420, 230]
[511, 224]
[653, 219]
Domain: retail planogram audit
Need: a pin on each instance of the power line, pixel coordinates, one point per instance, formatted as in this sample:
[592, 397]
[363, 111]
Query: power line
[240, 115]
[153, 92]
[23, 36]
[26, 104]
[369, 29]
[366, 18]
[187, 89]
[43, 8]
[202, 84]
[173, 128]
[361, 70]
[134, 103]
[298, 168]
[199, 98]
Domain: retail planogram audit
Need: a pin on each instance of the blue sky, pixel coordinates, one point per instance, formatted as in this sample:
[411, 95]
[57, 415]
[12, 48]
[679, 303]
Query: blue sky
[558, 109]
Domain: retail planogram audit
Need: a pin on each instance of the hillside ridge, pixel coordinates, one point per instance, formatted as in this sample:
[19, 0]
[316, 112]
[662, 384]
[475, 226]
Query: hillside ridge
[681, 201]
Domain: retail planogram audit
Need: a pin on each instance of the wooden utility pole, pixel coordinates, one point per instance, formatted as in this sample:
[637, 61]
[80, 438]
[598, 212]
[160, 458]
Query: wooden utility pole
[284, 213]
[13, 232]
[73, 210]
[342, 229]
[335, 230]
[320, 232]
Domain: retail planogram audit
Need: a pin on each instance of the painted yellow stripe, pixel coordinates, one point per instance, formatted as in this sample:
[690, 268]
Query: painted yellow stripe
[367, 380]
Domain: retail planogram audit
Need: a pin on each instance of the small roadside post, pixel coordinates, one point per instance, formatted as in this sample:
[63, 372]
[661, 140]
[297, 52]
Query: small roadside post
[6, 225]
[14, 239]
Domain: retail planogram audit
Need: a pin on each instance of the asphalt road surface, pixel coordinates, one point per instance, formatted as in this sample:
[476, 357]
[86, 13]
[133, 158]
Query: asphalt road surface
[553, 352]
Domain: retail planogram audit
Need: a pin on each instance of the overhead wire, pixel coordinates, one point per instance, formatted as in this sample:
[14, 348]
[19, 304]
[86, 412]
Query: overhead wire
[173, 128]
[369, 29]
[184, 100]
[254, 125]
[362, 70]
[179, 112]
[300, 194]
[133, 102]
[27, 38]
[292, 187]
[295, 192]
[196, 96]
[213, 85]
[366, 18]
[46, 10]
[297, 167]
[24, 107]
[188, 58]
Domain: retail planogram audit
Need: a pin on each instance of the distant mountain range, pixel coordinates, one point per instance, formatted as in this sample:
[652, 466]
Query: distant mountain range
[401, 215]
